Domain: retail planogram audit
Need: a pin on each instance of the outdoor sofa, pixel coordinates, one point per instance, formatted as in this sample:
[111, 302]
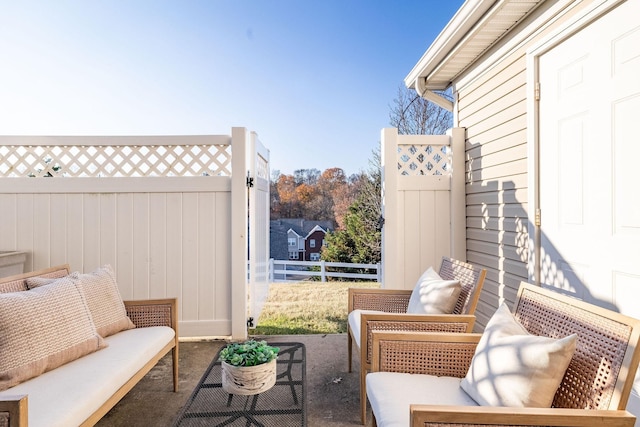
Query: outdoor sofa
[71, 348]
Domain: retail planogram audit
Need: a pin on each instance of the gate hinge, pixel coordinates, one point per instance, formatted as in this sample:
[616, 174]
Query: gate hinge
[538, 218]
[249, 181]
[537, 91]
[250, 323]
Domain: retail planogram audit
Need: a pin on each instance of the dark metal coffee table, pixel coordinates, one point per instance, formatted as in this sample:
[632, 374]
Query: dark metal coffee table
[282, 405]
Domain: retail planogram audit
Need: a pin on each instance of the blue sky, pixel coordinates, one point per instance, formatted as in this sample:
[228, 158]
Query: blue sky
[315, 80]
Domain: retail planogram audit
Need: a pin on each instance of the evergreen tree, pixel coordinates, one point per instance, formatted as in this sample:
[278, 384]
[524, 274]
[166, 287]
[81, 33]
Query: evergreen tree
[359, 241]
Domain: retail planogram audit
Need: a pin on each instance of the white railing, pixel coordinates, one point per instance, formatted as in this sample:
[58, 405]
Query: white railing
[295, 271]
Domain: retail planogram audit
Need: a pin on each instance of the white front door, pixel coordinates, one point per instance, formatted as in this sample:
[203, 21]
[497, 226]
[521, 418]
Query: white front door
[589, 163]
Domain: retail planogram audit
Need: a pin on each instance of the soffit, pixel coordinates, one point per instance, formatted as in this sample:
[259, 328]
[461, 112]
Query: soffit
[476, 27]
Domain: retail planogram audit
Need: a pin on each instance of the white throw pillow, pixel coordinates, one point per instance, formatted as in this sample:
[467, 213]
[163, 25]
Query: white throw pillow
[514, 368]
[433, 295]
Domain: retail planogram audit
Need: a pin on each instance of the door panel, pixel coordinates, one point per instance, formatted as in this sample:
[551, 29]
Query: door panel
[589, 106]
[589, 152]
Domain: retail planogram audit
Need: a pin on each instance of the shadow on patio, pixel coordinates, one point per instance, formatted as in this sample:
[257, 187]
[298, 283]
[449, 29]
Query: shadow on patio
[332, 392]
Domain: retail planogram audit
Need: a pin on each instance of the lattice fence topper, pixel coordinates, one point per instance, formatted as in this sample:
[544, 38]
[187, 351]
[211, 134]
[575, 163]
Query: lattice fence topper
[115, 160]
[262, 168]
[424, 160]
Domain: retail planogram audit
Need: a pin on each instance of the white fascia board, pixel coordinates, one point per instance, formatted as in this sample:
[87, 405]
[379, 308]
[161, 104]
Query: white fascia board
[314, 229]
[461, 23]
[291, 230]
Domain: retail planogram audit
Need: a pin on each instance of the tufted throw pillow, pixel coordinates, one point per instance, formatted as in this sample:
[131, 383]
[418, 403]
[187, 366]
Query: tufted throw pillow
[103, 299]
[42, 329]
[433, 295]
[514, 368]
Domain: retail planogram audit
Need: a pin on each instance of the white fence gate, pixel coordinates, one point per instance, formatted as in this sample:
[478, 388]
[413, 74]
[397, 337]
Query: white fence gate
[165, 211]
[259, 216]
[423, 203]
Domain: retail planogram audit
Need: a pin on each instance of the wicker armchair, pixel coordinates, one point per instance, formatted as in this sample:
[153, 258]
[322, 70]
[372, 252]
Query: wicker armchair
[386, 309]
[594, 390]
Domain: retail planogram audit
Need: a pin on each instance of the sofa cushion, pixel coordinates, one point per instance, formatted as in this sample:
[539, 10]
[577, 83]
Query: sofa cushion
[103, 298]
[391, 394]
[513, 368]
[68, 395]
[42, 329]
[433, 295]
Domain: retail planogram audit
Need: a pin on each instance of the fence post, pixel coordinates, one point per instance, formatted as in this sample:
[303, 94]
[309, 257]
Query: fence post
[379, 272]
[239, 225]
[323, 273]
[271, 268]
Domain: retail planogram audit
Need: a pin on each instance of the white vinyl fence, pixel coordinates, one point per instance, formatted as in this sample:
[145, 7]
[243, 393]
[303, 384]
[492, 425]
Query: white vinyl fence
[169, 213]
[295, 271]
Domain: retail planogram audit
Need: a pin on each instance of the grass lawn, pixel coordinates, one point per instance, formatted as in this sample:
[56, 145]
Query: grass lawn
[306, 308]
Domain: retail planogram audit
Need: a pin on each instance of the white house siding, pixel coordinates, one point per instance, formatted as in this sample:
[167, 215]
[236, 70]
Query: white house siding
[492, 106]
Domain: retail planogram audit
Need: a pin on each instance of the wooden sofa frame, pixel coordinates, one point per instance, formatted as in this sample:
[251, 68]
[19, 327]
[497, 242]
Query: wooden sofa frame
[392, 316]
[593, 392]
[143, 313]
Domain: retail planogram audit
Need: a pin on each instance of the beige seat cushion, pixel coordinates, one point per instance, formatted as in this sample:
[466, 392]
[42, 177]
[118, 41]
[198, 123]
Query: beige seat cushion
[355, 323]
[70, 394]
[42, 329]
[433, 295]
[103, 297]
[513, 368]
[391, 394]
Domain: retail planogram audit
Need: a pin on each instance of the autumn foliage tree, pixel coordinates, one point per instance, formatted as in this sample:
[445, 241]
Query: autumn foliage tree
[359, 239]
[311, 195]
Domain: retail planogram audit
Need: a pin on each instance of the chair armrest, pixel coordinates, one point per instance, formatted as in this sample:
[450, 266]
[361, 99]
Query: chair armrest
[387, 300]
[424, 415]
[155, 312]
[450, 323]
[14, 410]
[433, 353]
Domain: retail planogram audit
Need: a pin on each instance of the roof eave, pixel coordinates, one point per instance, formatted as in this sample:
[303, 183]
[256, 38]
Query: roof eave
[464, 19]
[474, 29]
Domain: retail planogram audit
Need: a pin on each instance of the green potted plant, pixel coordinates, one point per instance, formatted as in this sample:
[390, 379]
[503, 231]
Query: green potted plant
[248, 367]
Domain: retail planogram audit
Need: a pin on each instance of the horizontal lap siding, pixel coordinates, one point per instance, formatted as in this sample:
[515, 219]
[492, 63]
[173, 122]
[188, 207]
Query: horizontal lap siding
[493, 110]
[492, 106]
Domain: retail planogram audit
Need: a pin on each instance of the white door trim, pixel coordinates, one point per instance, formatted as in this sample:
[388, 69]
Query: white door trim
[576, 23]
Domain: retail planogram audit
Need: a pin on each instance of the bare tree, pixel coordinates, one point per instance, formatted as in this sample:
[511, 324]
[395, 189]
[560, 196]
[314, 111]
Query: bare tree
[414, 115]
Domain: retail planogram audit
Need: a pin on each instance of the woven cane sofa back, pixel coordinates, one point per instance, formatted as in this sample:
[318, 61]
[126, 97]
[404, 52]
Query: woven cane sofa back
[471, 280]
[18, 282]
[599, 375]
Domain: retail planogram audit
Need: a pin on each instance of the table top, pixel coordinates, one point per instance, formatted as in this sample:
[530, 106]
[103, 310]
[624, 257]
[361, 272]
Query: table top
[282, 405]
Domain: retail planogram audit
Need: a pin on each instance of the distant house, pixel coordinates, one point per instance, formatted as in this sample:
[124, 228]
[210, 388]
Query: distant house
[298, 239]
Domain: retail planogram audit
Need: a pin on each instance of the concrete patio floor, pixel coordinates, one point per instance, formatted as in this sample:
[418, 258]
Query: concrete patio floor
[332, 392]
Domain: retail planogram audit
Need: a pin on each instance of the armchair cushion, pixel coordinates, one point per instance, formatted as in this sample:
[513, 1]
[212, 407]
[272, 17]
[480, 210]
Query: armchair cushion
[433, 295]
[510, 367]
[355, 322]
[392, 393]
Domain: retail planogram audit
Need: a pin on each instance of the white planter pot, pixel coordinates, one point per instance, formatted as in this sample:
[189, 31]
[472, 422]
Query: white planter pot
[248, 380]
